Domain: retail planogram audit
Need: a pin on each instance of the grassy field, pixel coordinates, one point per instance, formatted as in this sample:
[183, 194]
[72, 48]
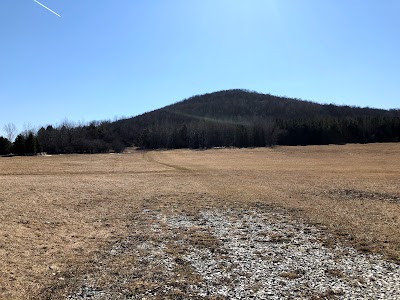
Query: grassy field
[60, 214]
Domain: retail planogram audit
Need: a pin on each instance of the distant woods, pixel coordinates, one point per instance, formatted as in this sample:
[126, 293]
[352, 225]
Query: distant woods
[234, 118]
[240, 118]
[66, 138]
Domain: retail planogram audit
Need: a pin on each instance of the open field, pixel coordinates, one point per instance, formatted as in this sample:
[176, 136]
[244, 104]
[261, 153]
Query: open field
[157, 224]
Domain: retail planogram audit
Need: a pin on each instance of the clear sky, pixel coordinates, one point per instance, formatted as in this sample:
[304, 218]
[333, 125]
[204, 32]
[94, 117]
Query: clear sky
[110, 58]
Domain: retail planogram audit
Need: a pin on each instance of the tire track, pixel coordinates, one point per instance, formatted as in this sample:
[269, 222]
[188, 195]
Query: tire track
[148, 156]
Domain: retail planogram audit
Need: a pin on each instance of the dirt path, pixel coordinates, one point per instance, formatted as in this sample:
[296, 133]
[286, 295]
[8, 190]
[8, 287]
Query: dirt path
[149, 156]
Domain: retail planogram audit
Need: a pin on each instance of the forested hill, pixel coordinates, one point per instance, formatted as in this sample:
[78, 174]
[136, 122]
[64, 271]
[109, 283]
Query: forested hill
[248, 119]
[236, 118]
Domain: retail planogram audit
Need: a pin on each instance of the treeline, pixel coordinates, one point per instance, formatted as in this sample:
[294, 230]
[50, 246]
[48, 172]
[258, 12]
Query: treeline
[340, 130]
[96, 137]
[267, 132]
[67, 138]
[234, 118]
[24, 144]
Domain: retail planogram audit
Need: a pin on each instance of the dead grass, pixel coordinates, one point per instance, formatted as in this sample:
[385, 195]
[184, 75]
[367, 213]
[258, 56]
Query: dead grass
[291, 275]
[59, 212]
[335, 273]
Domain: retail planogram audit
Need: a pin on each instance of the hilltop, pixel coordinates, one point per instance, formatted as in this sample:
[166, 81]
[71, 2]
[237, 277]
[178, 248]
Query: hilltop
[248, 119]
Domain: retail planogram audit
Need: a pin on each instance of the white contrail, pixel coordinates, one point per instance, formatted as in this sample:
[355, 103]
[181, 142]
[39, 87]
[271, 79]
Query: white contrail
[47, 8]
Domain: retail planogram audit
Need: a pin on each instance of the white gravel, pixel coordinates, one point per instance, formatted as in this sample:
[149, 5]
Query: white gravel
[271, 256]
[259, 254]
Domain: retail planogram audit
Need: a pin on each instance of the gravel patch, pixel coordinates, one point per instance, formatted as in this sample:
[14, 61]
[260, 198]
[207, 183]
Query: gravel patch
[243, 254]
[270, 256]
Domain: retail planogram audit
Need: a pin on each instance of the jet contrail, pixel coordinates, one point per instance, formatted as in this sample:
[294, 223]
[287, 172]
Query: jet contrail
[47, 8]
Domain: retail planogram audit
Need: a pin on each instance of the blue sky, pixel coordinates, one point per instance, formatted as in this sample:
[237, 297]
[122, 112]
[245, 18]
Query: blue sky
[104, 59]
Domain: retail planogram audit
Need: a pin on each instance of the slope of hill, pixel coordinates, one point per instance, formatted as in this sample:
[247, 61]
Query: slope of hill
[237, 118]
[246, 119]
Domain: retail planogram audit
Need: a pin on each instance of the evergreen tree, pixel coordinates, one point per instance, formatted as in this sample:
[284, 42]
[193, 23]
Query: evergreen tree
[30, 144]
[5, 146]
[18, 147]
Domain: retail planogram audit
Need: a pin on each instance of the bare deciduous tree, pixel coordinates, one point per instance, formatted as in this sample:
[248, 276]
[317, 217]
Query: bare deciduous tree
[11, 131]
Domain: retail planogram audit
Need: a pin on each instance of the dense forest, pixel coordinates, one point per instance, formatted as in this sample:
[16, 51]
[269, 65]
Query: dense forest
[232, 118]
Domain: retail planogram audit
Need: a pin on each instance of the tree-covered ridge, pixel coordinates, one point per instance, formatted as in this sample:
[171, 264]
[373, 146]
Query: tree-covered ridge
[235, 118]
[248, 119]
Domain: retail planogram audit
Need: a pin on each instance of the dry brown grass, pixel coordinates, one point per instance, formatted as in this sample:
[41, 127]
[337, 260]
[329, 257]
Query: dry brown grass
[59, 212]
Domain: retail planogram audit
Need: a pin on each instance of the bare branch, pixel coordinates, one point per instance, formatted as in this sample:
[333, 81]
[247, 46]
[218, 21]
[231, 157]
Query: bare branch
[11, 131]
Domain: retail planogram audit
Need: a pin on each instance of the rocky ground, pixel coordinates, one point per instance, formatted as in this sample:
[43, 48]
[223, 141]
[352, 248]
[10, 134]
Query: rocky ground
[257, 253]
